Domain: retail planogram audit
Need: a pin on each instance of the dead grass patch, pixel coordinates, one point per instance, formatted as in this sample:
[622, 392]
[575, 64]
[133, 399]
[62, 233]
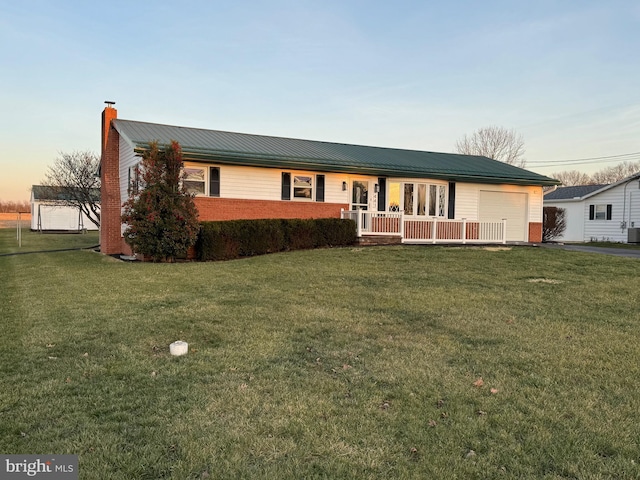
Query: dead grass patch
[544, 280]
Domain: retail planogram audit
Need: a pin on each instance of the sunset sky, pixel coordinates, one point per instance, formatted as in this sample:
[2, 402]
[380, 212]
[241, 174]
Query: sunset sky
[405, 74]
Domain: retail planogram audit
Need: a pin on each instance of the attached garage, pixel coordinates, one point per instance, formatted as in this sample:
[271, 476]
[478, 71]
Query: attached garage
[494, 206]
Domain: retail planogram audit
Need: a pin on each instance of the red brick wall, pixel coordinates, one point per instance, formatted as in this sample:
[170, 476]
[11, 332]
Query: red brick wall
[535, 232]
[110, 237]
[238, 209]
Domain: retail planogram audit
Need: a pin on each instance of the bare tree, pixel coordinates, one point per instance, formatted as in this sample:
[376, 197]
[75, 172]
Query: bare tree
[494, 142]
[73, 180]
[570, 178]
[10, 206]
[616, 173]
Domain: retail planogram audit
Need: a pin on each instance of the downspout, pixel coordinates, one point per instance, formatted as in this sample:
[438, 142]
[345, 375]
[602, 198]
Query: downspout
[623, 224]
[633, 178]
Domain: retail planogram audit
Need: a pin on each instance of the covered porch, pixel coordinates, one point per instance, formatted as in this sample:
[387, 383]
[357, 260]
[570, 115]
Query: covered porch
[410, 229]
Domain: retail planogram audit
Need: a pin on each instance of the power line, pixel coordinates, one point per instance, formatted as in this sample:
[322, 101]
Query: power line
[590, 162]
[588, 158]
[579, 161]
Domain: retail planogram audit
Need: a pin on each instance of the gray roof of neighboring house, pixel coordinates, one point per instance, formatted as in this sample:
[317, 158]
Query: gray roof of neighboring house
[582, 192]
[57, 194]
[567, 193]
[265, 151]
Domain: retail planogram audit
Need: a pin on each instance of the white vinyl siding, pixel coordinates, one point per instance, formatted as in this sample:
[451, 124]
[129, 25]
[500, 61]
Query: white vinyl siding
[574, 218]
[252, 183]
[634, 209]
[255, 183]
[608, 230]
[536, 200]
[128, 160]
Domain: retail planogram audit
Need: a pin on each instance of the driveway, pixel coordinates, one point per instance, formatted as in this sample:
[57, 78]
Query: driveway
[619, 252]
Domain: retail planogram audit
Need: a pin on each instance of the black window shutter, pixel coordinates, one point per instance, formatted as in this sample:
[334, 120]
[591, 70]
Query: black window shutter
[319, 188]
[382, 194]
[286, 186]
[609, 208]
[592, 212]
[214, 182]
[452, 201]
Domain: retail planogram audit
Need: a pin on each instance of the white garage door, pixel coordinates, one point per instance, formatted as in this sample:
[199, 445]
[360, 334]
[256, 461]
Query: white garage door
[494, 206]
[58, 217]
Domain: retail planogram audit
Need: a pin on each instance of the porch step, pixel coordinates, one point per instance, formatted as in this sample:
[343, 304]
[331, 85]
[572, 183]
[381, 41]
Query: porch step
[379, 240]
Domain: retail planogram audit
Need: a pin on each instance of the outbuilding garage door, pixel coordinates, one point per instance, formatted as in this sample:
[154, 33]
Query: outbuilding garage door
[494, 206]
[58, 217]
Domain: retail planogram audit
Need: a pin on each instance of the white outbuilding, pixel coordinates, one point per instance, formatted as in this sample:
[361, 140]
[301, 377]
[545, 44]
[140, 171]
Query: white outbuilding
[54, 211]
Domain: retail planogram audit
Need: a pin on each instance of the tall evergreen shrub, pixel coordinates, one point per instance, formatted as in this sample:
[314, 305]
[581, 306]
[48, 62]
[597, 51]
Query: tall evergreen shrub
[162, 220]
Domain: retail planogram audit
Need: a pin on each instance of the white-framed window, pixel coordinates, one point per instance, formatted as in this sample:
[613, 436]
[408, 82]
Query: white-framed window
[201, 180]
[302, 186]
[134, 181]
[600, 211]
[418, 199]
[194, 180]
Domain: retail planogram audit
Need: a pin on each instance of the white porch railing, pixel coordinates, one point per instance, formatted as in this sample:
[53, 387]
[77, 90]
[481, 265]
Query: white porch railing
[426, 230]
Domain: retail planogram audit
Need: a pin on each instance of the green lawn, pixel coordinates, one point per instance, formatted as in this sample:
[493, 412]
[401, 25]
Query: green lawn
[338, 363]
[35, 241]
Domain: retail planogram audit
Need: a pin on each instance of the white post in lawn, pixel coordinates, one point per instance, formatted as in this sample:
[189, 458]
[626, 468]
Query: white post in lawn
[19, 230]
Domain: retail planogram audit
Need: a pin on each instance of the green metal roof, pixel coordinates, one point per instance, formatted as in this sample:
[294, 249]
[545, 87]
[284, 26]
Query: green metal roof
[277, 152]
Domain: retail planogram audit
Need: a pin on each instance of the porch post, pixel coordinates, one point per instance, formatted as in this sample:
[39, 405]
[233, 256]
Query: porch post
[504, 230]
[359, 222]
[434, 234]
[464, 230]
[402, 225]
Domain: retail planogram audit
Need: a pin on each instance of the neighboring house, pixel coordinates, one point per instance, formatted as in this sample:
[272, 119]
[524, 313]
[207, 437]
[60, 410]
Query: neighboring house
[416, 196]
[52, 210]
[598, 212]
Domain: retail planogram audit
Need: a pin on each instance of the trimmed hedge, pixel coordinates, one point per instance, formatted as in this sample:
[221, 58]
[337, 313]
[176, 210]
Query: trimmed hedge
[246, 238]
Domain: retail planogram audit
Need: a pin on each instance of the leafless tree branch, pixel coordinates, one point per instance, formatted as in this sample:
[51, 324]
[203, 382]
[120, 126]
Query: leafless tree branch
[605, 176]
[73, 180]
[494, 142]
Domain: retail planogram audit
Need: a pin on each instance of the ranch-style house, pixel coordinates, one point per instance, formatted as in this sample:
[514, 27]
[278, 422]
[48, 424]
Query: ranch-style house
[407, 195]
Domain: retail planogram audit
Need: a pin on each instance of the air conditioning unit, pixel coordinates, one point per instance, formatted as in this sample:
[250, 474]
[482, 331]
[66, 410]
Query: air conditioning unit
[634, 235]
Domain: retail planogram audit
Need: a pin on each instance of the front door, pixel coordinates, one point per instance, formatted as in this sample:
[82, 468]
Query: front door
[360, 195]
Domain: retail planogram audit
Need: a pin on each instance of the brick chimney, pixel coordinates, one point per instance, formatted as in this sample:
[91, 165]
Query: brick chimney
[110, 231]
